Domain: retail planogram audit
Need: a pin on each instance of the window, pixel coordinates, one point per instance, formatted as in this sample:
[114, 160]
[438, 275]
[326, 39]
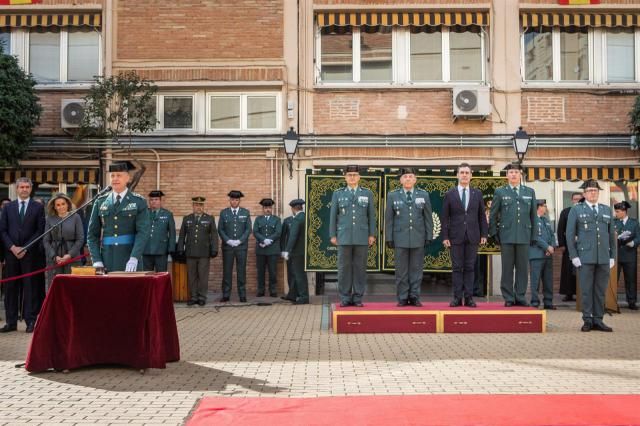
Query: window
[5, 42]
[620, 45]
[401, 55]
[558, 54]
[175, 112]
[243, 112]
[574, 55]
[64, 56]
[538, 53]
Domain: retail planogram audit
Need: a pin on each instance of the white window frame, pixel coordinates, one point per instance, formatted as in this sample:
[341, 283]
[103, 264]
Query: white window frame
[244, 118]
[195, 120]
[22, 51]
[603, 62]
[401, 62]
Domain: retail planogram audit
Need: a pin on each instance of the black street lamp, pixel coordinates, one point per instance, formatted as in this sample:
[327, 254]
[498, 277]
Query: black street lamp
[290, 147]
[520, 144]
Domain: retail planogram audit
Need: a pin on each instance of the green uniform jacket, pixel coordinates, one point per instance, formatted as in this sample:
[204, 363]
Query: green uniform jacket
[589, 238]
[408, 224]
[267, 229]
[353, 217]
[235, 227]
[115, 235]
[295, 241]
[628, 254]
[198, 238]
[162, 238]
[512, 217]
[286, 230]
[544, 239]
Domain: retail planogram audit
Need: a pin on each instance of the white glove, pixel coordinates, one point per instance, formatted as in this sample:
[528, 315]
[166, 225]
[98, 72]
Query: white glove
[611, 263]
[132, 265]
[630, 244]
[233, 243]
[268, 241]
[285, 254]
[98, 265]
[576, 262]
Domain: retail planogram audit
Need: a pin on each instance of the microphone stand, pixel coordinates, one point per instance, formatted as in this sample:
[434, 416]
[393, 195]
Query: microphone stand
[73, 213]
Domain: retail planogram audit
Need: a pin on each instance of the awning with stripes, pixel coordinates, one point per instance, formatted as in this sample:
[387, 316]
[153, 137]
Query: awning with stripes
[582, 173]
[558, 19]
[37, 175]
[324, 19]
[92, 19]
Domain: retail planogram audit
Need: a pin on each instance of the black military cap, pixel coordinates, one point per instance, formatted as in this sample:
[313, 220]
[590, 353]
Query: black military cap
[541, 202]
[406, 171]
[266, 202]
[156, 194]
[235, 194]
[296, 202]
[198, 200]
[590, 183]
[515, 166]
[623, 205]
[352, 168]
[121, 166]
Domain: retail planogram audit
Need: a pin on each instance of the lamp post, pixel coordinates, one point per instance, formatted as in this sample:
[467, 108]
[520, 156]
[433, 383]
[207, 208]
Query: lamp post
[520, 144]
[290, 141]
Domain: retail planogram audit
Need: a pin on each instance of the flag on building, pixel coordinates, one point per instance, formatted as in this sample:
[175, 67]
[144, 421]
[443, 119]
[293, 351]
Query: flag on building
[578, 2]
[11, 2]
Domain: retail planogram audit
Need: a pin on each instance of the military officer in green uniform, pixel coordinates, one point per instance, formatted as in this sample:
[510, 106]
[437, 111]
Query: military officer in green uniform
[266, 230]
[294, 252]
[541, 258]
[284, 238]
[628, 240]
[512, 222]
[591, 243]
[162, 238]
[119, 224]
[408, 230]
[198, 241]
[352, 227]
[234, 228]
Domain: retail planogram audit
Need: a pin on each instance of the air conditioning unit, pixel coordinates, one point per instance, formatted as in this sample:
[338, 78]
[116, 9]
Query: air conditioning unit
[471, 101]
[72, 113]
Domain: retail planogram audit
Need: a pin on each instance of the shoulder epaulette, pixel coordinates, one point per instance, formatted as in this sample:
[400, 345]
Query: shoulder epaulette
[135, 194]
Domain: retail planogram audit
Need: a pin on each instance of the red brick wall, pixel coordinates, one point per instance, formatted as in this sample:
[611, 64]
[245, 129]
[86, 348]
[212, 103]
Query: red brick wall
[381, 112]
[50, 118]
[580, 113]
[212, 74]
[71, 2]
[196, 29]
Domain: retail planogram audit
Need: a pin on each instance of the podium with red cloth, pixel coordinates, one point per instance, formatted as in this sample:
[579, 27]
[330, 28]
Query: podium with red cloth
[87, 320]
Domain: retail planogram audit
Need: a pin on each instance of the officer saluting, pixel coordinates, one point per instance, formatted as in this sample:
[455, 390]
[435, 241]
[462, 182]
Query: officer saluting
[591, 243]
[162, 238]
[408, 229]
[198, 242]
[119, 224]
[266, 230]
[628, 240]
[234, 229]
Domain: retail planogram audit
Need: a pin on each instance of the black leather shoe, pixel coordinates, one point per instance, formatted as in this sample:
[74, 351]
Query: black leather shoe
[633, 306]
[243, 300]
[201, 302]
[402, 303]
[417, 303]
[260, 294]
[224, 299]
[29, 328]
[550, 307]
[7, 328]
[191, 302]
[602, 327]
[568, 298]
[586, 326]
[358, 305]
[508, 304]
[469, 303]
[535, 304]
[455, 303]
[522, 304]
[273, 294]
[287, 298]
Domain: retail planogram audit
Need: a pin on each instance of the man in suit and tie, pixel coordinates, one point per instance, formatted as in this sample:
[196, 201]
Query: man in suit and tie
[592, 247]
[295, 252]
[464, 227]
[234, 228]
[162, 238]
[567, 270]
[408, 230]
[352, 227]
[119, 225]
[266, 230]
[628, 240]
[512, 223]
[22, 221]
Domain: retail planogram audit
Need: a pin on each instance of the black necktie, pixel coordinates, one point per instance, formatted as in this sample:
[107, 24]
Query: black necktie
[235, 212]
[409, 196]
[515, 189]
[22, 210]
[595, 210]
[117, 204]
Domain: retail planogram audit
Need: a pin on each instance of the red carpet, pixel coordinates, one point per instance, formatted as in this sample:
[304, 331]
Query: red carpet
[450, 410]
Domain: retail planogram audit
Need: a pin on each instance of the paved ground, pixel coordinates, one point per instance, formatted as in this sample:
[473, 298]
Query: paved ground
[282, 351]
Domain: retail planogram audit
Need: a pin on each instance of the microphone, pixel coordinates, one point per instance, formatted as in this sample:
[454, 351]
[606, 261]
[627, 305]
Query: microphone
[106, 189]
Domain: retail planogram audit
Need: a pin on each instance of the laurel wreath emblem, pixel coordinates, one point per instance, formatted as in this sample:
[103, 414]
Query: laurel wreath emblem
[437, 226]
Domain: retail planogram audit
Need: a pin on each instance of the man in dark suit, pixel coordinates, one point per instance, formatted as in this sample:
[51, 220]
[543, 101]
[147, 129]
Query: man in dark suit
[22, 222]
[567, 271]
[464, 227]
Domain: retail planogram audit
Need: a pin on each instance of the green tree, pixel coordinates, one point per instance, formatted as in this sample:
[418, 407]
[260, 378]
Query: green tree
[118, 107]
[634, 121]
[19, 110]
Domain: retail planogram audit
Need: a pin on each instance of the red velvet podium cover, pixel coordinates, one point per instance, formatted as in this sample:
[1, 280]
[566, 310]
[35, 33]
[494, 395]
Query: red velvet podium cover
[88, 320]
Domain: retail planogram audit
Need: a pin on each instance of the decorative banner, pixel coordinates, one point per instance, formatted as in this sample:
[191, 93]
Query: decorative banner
[15, 2]
[578, 2]
[321, 255]
[437, 257]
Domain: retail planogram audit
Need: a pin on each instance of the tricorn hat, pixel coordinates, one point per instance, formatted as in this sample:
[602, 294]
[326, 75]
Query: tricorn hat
[590, 183]
[266, 202]
[156, 194]
[541, 202]
[121, 166]
[198, 200]
[406, 171]
[235, 194]
[623, 205]
[296, 202]
[352, 168]
[515, 165]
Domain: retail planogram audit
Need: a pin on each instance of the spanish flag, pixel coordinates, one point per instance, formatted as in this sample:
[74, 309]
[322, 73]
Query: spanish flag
[578, 2]
[12, 2]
